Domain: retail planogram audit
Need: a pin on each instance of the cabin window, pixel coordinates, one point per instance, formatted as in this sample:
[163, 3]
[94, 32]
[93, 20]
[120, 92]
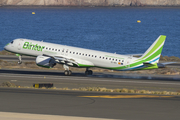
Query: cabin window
[89, 55]
[55, 49]
[79, 53]
[99, 56]
[73, 52]
[62, 50]
[106, 58]
[116, 59]
[83, 54]
[86, 54]
[92, 55]
[122, 60]
[95, 56]
[103, 57]
[46, 48]
[70, 52]
[119, 60]
[66, 51]
[109, 58]
[43, 47]
[59, 50]
[49, 48]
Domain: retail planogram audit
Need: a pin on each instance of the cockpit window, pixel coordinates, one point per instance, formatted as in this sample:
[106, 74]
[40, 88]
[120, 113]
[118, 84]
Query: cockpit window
[12, 42]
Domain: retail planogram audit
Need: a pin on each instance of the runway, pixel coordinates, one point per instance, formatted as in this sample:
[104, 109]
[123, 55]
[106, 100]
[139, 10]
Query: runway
[58, 104]
[15, 58]
[71, 103]
[87, 105]
[24, 77]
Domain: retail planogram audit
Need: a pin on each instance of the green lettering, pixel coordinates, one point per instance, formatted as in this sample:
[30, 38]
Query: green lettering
[35, 47]
[32, 47]
[29, 47]
[42, 47]
[39, 48]
[25, 46]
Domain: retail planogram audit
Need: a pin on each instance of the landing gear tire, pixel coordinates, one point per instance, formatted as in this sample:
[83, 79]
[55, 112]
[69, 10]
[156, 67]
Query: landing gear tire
[70, 72]
[88, 72]
[20, 62]
[67, 72]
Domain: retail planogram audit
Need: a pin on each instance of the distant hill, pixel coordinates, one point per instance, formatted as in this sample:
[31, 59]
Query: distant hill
[90, 3]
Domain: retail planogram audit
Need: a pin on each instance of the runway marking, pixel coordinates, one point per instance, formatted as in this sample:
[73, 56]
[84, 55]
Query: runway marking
[128, 96]
[13, 80]
[29, 116]
[85, 79]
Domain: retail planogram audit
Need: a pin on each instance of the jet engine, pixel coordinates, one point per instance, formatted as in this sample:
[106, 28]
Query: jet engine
[44, 61]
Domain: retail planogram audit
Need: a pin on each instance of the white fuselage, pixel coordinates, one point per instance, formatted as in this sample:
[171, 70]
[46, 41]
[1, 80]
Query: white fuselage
[84, 57]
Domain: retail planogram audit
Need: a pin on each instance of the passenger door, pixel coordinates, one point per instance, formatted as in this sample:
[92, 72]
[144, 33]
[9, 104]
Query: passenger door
[20, 44]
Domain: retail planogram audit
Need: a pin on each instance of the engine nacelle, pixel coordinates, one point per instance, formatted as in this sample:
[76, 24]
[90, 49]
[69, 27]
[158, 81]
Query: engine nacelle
[44, 61]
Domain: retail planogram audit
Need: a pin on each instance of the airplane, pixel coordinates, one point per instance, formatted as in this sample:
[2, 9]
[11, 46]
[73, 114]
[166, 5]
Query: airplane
[49, 54]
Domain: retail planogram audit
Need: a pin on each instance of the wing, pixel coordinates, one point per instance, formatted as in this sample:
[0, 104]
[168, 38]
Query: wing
[75, 62]
[62, 59]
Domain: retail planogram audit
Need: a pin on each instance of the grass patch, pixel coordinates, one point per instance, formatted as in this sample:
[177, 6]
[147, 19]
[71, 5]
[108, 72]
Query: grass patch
[171, 58]
[97, 89]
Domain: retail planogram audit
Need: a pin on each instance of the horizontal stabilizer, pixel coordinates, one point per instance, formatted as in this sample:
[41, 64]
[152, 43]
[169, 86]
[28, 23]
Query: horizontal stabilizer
[162, 65]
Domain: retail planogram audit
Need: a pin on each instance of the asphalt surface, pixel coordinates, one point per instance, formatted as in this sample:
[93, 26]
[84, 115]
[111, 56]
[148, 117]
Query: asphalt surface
[24, 77]
[71, 103]
[89, 104]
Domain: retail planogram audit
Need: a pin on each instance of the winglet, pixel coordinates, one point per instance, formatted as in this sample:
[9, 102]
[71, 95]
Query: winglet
[153, 53]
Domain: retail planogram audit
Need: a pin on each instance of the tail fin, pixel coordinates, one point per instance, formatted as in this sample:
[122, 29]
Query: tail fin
[153, 53]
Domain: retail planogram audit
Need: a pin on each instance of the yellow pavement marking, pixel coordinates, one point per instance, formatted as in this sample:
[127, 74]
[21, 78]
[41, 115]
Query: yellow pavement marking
[128, 96]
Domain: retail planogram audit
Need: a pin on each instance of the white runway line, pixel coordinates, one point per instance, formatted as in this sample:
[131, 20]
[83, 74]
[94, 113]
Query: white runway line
[28, 116]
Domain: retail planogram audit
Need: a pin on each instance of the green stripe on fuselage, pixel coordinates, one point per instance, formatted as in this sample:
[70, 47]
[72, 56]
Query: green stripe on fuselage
[141, 62]
[149, 58]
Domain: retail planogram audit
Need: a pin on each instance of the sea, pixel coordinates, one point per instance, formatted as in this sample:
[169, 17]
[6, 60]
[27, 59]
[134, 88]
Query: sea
[109, 29]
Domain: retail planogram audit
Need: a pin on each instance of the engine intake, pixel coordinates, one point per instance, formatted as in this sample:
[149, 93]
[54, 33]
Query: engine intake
[44, 61]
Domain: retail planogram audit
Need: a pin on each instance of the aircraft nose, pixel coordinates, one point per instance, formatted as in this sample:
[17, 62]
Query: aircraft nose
[6, 47]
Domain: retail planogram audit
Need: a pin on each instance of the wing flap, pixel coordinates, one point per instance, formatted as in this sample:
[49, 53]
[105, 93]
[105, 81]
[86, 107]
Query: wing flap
[63, 60]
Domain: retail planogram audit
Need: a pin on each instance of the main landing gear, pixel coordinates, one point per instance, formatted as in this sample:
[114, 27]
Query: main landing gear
[67, 72]
[88, 72]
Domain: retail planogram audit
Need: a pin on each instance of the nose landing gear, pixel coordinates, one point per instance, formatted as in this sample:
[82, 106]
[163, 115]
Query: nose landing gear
[20, 59]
